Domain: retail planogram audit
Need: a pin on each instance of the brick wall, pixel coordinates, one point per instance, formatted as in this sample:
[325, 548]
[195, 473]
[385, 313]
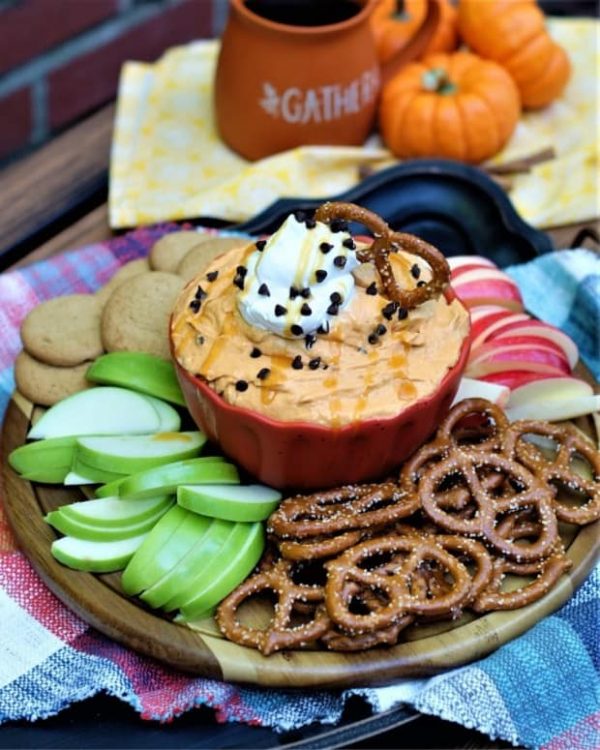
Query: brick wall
[60, 59]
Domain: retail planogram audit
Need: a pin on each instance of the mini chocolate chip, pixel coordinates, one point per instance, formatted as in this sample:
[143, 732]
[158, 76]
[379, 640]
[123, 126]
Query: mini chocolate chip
[371, 289]
[336, 298]
[300, 216]
[349, 243]
[333, 309]
[402, 313]
[320, 275]
[263, 290]
[255, 353]
[199, 340]
[293, 292]
[212, 275]
[305, 293]
[415, 271]
[339, 261]
[297, 330]
[338, 225]
[195, 305]
[310, 340]
[323, 328]
[260, 245]
[314, 363]
[305, 309]
[421, 283]
[280, 310]
[389, 310]
[200, 293]
[239, 281]
[310, 223]
[241, 386]
[241, 270]
[325, 247]
[263, 374]
[297, 362]
[373, 338]
[381, 329]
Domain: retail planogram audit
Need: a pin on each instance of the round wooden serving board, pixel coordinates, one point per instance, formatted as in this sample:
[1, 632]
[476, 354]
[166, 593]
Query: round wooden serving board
[98, 599]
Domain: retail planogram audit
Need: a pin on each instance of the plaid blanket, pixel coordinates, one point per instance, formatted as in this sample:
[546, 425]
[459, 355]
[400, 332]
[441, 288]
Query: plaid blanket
[541, 690]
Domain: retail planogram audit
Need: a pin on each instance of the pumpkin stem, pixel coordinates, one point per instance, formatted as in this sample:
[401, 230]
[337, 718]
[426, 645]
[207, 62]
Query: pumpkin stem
[400, 14]
[436, 79]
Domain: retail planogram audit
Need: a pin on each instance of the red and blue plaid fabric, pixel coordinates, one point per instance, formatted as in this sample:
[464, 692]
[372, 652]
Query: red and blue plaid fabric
[541, 690]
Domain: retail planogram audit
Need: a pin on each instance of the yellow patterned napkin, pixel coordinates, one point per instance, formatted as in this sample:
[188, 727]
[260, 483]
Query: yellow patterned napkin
[168, 162]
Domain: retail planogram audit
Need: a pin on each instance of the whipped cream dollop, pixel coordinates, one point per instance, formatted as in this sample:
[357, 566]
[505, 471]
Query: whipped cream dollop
[298, 280]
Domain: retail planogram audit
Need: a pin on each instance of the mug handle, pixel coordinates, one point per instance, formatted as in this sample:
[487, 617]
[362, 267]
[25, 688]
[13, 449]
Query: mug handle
[417, 44]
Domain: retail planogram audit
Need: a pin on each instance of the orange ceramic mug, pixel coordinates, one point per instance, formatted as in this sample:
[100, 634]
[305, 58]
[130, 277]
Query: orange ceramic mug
[281, 84]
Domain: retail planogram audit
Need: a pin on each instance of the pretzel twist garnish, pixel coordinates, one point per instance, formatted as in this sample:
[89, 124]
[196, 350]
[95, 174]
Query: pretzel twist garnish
[385, 242]
[558, 471]
[280, 634]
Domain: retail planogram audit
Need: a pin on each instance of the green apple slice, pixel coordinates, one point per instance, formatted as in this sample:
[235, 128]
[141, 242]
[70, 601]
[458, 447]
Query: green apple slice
[141, 372]
[44, 460]
[112, 511]
[98, 411]
[232, 566]
[169, 418]
[95, 557]
[160, 552]
[81, 473]
[111, 489]
[164, 480]
[72, 527]
[133, 453]
[253, 502]
[204, 551]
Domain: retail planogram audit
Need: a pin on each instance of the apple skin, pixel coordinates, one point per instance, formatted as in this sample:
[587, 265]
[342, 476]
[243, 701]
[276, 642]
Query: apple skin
[94, 531]
[232, 503]
[165, 479]
[112, 511]
[95, 557]
[44, 460]
[145, 373]
[226, 577]
[466, 276]
[495, 358]
[460, 261]
[139, 571]
[535, 342]
[517, 378]
[489, 292]
[483, 328]
[91, 473]
[540, 329]
[129, 454]
[98, 411]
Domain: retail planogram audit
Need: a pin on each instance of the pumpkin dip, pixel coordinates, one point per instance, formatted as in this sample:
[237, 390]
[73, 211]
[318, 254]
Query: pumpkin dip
[297, 329]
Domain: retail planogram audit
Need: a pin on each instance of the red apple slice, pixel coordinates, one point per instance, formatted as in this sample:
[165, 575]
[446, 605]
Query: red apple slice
[470, 388]
[517, 378]
[480, 274]
[458, 261]
[483, 328]
[482, 310]
[540, 329]
[493, 357]
[552, 389]
[490, 292]
[533, 341]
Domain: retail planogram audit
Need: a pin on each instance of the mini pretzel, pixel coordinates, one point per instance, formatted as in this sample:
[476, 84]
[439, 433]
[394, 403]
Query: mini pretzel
[475, 552]
[483, 412]
[558, 470]
[280, 634]
[337, 640]
[316, 548]
[387, 241]
[345, 509]
[546, 572]
[483, 522]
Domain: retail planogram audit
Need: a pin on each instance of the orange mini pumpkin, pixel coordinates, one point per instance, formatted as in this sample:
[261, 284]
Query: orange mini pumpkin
[394, 23]
[513, 33]
[457, 106]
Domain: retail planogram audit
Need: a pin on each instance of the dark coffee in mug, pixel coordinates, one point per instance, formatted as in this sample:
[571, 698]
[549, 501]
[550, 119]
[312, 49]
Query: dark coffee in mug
[305, 12]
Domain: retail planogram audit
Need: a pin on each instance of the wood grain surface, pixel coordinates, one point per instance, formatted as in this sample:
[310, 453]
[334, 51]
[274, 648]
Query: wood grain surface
[98, 599]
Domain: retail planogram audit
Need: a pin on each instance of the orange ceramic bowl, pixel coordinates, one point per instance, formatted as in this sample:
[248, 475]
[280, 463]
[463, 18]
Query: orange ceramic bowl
[303, 456]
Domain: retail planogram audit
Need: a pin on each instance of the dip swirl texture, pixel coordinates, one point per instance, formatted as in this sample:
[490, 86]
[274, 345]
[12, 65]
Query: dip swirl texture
[369, 360]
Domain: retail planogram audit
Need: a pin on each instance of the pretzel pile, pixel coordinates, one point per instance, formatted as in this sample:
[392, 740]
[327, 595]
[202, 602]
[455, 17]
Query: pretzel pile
[350, 568]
